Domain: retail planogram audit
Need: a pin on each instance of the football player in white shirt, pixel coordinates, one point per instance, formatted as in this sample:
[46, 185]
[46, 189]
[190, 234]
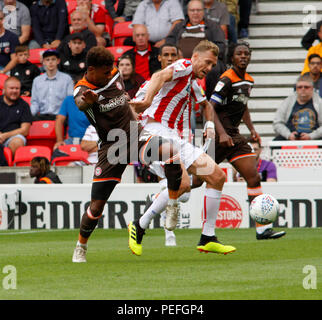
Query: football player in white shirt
[167, 96]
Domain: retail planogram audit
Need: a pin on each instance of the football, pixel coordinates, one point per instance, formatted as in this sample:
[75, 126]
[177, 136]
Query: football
[264, 209]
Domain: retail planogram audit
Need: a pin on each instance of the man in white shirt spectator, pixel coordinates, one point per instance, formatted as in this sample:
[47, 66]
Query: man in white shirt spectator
[160, 17]
[50, 89]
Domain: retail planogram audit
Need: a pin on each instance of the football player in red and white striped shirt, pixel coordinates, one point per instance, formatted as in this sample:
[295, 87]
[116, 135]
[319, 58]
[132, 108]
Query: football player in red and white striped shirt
[167, 96]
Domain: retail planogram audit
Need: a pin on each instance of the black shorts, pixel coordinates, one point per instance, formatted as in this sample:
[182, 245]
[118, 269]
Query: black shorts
[114, 157]
[240, 149]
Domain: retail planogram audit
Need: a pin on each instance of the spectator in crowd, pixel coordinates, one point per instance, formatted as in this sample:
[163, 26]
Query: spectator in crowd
[314, 49]
[245, 8]
[299, 117]
[78, 25]
[144, 55]
[15, 116]
[311, 36]
[89, 144]
[49, 23]
[218, 12]
[50, 89]
[75, 120]
[315, 65]
[131, 79]
[17, 19]
[25, 71]
[266, 169]
[40, 169]
[94, 15]
[187, 34]
[125, 10]
[233, 9]
[73, 62]
[160, 17]
[8, 43]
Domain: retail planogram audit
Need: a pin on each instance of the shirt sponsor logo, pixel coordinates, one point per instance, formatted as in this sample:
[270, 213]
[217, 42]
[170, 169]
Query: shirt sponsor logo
[113, 103]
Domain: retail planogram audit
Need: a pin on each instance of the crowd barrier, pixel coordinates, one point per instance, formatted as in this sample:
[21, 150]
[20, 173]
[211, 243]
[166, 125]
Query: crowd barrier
[61, 206]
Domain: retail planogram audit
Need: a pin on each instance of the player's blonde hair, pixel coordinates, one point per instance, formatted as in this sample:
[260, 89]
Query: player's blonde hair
[206, 45]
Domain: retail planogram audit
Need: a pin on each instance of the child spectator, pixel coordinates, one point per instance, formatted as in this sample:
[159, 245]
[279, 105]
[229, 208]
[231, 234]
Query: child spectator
[25, 71]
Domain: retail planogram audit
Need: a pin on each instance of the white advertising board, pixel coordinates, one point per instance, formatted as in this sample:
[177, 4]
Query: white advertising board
[61, 206]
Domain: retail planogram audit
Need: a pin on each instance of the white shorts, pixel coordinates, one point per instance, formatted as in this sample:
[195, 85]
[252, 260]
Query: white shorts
[188, 152]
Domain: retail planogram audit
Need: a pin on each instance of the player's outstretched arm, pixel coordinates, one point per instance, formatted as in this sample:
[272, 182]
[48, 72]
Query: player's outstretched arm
[156, 82]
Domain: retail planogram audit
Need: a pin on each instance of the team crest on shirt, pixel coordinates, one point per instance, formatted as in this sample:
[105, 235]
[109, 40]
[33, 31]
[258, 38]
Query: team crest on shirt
[28, 72]
[118, 85]
[98, 171]
[219, 86]
[82, 65]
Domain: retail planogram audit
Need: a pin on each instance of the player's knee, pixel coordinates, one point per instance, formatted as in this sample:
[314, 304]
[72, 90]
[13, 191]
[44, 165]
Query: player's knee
[218, 178]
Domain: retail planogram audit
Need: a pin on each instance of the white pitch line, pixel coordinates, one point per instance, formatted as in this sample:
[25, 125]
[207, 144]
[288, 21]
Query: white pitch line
[27, 232]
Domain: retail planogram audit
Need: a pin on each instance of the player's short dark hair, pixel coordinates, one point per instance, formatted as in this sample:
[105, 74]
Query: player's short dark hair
[99, 56]
[233, 46]
[168, 45]
[21, 48]
[312, 56]
[42, 163]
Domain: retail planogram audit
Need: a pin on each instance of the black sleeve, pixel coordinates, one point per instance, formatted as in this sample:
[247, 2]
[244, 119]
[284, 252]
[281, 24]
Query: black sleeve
[35, 24]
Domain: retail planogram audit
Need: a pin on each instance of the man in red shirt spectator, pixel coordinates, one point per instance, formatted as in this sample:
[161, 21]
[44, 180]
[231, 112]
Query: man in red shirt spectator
[94, 15]
[144, 55]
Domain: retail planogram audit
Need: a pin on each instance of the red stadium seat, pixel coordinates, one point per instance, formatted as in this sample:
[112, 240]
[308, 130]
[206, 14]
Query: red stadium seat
[35, 56]
[118, 51]
[25, 154]
[8, 155]
[71, 5]
[42, 133]
[27, 99]
[3, 78]
[75, 153]
[121, 31]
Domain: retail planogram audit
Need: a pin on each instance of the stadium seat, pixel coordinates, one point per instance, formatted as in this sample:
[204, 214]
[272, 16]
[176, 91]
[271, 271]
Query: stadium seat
[3, 78]
[121, 31]
[27, 99]
[71, 5]
[42, 133]
[118, 51]
[8, 155]
[75, 153]
[25, 154]
[35, 56]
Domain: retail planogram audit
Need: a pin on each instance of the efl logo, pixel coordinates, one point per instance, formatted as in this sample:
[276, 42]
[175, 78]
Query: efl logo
[230, 213]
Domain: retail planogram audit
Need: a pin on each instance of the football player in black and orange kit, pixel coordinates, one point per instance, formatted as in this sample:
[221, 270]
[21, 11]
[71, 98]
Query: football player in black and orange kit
[230, 99]
[40, 169]
[101, 95]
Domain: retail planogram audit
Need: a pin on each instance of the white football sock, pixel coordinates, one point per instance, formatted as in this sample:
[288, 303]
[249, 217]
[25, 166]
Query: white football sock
[210, 211]
[261, 228]
[158, 205]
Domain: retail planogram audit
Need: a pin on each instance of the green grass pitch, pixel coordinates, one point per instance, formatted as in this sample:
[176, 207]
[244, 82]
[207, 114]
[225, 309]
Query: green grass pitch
[266, 269]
